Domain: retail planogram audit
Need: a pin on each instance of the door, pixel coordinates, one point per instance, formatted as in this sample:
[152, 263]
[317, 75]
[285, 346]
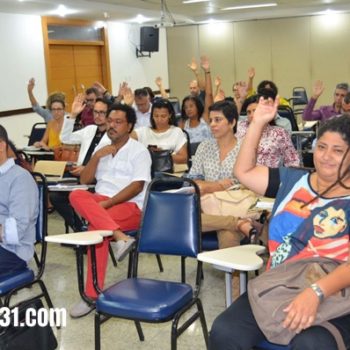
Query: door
[73, 68]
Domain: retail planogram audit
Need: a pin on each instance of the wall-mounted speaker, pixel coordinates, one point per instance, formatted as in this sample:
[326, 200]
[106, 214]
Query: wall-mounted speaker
[149, 39]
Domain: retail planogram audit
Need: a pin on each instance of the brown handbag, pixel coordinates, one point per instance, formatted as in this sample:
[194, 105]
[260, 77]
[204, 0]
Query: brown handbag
[271, 292]
[67, 153]
[231, 202]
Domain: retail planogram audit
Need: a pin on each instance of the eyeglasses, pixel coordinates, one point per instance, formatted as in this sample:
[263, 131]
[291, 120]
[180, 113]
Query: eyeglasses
[90, 100]
[57, 109]
[103, 113]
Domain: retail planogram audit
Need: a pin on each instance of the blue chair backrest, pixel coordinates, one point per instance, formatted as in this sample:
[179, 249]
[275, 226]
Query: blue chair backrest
[41, 222]
[171, 223]
[37, 133]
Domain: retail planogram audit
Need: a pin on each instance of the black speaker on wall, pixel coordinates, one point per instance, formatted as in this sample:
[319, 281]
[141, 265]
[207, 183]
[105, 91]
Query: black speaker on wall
[149, 39]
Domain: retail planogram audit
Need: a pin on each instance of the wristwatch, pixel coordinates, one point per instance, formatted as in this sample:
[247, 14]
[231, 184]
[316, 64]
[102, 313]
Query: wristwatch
[318, 291]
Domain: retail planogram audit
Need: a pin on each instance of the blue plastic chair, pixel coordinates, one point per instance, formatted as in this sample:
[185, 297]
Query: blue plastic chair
[161, 232]
[27, 277]
[265, 345]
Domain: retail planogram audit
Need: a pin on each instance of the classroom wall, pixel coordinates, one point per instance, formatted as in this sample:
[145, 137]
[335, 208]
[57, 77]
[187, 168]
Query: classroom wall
[290, 51]
[22, 57]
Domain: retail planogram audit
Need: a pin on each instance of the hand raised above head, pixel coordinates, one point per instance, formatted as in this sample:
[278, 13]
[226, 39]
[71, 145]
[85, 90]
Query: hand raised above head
[158, 81]
[217, 81]
[193, 65]
[317, 89]
[78, 104]
[251, 72]
[205, 63]
[266, 110]
[31, 84]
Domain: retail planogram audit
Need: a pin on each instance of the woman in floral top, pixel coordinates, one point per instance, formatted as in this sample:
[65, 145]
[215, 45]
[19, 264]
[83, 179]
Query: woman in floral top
[275, 147]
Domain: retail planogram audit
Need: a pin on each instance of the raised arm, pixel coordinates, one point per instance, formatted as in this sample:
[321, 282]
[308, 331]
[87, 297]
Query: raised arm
[159, 83]
[209, 99]
[194, 68]
[309, 113]
[248, 173]
[30, 88]
[251, 75]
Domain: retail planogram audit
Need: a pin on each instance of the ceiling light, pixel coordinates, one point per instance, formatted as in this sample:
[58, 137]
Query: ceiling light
[62, 10]
[140, 19]
[193, 1]
[248, 6]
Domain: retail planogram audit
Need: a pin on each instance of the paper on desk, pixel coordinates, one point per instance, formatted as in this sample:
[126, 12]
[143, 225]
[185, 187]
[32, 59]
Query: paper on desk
[68, 187]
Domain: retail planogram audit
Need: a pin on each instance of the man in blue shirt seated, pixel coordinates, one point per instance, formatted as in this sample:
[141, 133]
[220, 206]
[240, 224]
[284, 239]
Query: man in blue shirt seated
[19, 208]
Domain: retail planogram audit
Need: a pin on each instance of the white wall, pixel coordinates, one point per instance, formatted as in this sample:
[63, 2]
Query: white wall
[22, 57]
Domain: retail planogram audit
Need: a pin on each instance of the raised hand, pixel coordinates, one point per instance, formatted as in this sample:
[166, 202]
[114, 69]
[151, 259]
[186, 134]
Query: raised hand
[193, 65]
[99, 87]
[78, 105]
[128, 96]
[217, 81]
[317, 89]
[31, 84]
[158, 82]
[251, 72]
[220, 96]
[266, 110]
[205, 63]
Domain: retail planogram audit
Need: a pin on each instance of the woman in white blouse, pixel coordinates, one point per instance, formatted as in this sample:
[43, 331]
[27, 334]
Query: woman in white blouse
[163, 134]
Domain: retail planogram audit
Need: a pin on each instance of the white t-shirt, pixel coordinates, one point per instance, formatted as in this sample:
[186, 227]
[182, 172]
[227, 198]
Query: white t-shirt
[172, 139]
[143, 119]
[131, 163]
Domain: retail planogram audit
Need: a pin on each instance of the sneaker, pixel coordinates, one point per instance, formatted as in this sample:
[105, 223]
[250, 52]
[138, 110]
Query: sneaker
[122, 248]
[80, 309]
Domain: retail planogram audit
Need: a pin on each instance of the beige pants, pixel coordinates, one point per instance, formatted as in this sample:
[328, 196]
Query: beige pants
[225, 227]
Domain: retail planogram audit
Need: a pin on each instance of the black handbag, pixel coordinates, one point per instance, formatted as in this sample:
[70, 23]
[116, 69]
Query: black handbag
[162, 161]
[24, 336]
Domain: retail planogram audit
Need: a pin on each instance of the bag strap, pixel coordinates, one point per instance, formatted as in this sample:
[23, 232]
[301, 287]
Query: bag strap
[336, 334]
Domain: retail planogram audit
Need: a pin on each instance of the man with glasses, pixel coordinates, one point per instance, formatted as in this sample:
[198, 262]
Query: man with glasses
[122, 171]
[325, 112]
[91, 138]
[85, 116]
[142, 107]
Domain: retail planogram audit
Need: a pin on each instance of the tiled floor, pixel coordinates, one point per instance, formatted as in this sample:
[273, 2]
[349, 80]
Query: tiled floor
[61, 281]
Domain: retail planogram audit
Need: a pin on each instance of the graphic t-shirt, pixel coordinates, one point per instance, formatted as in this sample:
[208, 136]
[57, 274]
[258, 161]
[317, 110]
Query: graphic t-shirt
[299, 231]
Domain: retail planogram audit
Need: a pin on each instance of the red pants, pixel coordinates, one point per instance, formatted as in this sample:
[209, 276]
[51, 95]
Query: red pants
[125, 216]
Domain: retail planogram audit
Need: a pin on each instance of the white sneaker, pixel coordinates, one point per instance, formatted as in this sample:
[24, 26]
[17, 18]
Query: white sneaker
[122, 248]
[80, 309]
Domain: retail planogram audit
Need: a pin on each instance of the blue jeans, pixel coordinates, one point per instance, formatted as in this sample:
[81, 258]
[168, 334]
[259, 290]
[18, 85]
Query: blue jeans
[10, 262]
[236, 329]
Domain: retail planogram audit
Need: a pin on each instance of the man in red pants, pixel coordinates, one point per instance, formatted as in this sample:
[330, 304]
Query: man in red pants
[121, 171]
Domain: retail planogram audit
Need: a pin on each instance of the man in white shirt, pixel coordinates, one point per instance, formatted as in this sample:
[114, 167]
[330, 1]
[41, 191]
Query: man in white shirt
[19, 208]
[122, 172]
[142, 107]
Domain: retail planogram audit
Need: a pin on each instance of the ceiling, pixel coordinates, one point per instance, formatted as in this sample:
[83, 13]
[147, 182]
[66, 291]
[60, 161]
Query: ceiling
[127, 10]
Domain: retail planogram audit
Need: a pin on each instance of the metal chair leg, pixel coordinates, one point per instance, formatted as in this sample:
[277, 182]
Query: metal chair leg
[160, 264]
[111, 254]
[97, 331]
[139, 330]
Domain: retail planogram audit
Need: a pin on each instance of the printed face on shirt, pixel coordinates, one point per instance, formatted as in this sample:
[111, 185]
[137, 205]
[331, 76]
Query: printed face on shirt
[100, 112]
[329, 222]
[117, 126]
[57, 110]
[328, 155]
[250, 111]
[142, 103]
[339, 95]
[219, 125]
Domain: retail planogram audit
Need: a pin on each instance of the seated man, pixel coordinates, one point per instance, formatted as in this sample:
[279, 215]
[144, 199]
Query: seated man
[142, 107]
[122, 171]
[325, 112]
[19, 208]
[90, 138]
